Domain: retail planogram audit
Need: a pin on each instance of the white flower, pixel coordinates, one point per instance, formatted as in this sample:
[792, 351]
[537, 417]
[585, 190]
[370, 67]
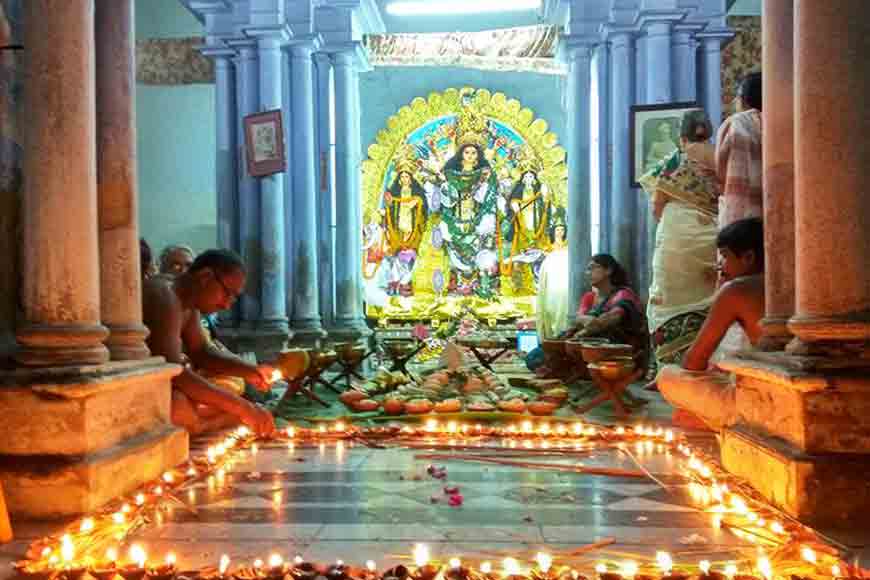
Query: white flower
[445, 232]
[486, 226]
[486, 260]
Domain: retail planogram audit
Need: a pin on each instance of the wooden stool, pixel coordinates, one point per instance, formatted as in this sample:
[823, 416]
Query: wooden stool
[5, 526]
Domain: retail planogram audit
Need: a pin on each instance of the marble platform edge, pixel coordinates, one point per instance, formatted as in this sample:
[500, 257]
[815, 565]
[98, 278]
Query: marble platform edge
[828, 489]
[86, 375]
[67, 488]
[782, 369]
[798, 366]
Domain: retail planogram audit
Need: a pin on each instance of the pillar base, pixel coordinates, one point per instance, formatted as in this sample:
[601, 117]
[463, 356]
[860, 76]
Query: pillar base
[830, 328]
[128, 342]
[310, 336]
[54, 346]
[42, 488]
[264, 343]
[815, 411]
[352, 331]
[828, 490]
[77, 437]
[70, 411]
[776, 334]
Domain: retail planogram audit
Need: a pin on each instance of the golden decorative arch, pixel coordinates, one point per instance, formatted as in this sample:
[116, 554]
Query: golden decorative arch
[543, 143]
[419, 140]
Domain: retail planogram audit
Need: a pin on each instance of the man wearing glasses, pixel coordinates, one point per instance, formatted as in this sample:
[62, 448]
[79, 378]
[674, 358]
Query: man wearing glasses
[172, 309]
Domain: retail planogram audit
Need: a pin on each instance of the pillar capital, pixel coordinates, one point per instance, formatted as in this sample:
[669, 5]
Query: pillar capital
[350, 54]
[245, 48]
[218, 52]
[304, 47]
[714, 39]
[280, 33]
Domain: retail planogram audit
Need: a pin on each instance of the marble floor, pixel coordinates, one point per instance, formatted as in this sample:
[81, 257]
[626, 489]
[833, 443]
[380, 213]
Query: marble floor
[350, 502]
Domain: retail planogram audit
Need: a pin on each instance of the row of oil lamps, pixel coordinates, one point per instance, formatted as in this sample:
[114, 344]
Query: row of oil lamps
[276, 568]
[61, 558]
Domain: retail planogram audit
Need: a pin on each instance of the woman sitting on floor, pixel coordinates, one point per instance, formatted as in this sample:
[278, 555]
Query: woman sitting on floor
[611, 309]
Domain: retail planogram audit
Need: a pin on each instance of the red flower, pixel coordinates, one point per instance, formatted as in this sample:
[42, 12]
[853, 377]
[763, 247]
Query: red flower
[420, 332]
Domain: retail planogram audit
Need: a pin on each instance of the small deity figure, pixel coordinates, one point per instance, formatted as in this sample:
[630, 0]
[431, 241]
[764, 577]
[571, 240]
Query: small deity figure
[405, 212]
[528, 217]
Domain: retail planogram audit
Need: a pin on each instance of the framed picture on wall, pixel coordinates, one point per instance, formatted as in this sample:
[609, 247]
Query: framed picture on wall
[654, 134]
[264, 143]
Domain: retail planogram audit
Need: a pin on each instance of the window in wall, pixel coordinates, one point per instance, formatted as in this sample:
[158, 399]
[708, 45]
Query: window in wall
[594, 159]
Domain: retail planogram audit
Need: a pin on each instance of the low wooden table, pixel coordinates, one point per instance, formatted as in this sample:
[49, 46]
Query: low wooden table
[480, 348]
[350, 359]
[320, 361]
[611, 390]
[400, 351]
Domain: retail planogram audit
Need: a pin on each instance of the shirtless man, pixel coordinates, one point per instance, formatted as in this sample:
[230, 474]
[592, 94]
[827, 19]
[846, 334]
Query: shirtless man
[172, 309]
[176, 260]
[709, 394]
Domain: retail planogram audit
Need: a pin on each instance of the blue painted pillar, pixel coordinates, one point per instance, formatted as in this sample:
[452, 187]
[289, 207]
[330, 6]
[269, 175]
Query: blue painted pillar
[579, 57]
[325, 191]
[623, 200]
[349, 318]
[248, 98]
[273, 290]
[303, 252]
[711, 75]
[604, 162]
[659, 78]
[226, 182]
[683, 58]
[225, 161]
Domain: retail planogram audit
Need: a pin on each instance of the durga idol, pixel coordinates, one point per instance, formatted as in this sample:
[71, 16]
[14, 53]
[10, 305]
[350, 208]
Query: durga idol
[469, 196]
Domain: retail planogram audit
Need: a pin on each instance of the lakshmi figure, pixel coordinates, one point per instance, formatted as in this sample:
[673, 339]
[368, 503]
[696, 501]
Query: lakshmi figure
[469, 199]
[405, 210]
[528, 214]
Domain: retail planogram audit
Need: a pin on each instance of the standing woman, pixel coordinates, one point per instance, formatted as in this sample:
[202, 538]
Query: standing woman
[684, 192]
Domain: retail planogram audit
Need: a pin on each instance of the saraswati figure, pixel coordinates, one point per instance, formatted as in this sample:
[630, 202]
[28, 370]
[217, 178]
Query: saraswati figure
[405, 210]
[528, 214]
[469, 199]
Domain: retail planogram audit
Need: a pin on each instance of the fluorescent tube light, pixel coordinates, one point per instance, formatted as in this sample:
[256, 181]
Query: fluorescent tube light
[449, 7]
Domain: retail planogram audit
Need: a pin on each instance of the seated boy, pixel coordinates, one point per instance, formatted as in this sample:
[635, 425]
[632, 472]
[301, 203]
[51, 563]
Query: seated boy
[709, 393]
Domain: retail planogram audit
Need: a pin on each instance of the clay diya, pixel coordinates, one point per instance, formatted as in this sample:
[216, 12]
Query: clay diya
[103, 570]
[132, 572]
[33, 571]
[398, 573]
[164, 572]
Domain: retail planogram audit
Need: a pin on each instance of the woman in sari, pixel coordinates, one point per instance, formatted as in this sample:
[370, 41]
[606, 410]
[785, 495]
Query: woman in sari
[611, 309]
[684, 192]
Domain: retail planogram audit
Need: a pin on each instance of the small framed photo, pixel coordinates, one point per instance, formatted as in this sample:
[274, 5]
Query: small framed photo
[654, 134]
[264, 143]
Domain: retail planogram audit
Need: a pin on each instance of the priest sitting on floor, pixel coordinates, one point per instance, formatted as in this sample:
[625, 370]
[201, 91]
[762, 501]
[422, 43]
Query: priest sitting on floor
[697, 389]
[172, 309]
